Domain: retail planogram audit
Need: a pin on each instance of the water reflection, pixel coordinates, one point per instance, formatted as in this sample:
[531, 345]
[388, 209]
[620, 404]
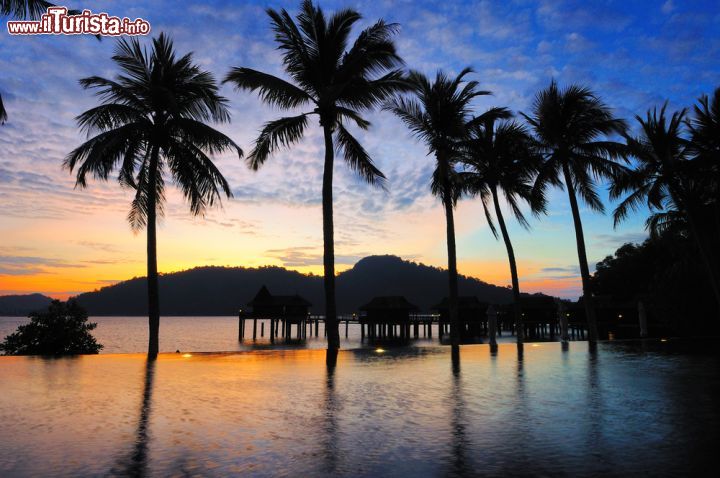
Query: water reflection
[458, 423]
[136, 464]
[595, 411]
[400, 412]
[330, 424]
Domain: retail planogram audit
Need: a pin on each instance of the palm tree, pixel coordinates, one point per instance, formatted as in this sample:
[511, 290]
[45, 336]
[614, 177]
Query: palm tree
[437, 114]
[152, 121]
[501, 157]
[3, 113]
[705, 151]
[24, 10]
[667, 180]
[339, 84]
[571, 129]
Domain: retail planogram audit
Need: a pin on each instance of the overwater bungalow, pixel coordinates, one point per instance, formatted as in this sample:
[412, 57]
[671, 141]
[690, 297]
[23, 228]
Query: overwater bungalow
[539, 316]
[387, 317]
[472, 316]
[283, 311]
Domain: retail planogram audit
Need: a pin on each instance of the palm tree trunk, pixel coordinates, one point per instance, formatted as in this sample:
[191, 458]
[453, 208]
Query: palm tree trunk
[331, 322]
[582, 258]
[452, 256]
[517, 312]
[152, 274]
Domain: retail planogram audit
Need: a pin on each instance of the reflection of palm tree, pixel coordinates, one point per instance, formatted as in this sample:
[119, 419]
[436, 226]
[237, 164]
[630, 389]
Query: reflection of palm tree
[136, 465]
[458, 425]
[571, 127]
[500, 158]
[437, 115]
[152, 119]
[339, 85]
[330, 424]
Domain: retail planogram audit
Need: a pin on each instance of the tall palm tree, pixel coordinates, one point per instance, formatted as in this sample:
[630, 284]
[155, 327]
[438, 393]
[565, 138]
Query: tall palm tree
[339, 84]
[152, 121]
[23, 10]
[572, 129]
[500, 157]
[704, 147]
[437, 114]
[665, 178]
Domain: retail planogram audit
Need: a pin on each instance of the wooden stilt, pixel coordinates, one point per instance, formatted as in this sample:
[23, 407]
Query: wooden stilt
[492, 324]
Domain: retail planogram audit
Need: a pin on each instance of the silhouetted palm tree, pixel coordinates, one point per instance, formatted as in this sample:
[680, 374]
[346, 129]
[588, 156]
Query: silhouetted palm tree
[23, 10]
[437, 113]
[666, 179]
[571, 129]
[3, 113]
[152, 121]
[705, 150]
[339, 84]
[500, 156]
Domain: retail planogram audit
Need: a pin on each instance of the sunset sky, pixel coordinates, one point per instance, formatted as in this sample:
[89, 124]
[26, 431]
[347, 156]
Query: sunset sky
[60, 241]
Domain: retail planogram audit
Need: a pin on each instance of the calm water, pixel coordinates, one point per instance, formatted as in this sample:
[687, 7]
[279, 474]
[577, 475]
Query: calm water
[201, 334]
[629, 408]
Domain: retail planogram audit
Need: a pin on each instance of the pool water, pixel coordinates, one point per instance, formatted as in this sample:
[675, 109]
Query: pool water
[626, 408]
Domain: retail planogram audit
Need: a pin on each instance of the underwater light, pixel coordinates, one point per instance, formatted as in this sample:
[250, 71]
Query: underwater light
[379, 350]
[663, 340]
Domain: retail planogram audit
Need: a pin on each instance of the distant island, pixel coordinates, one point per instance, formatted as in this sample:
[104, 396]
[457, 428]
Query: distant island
[214, 290]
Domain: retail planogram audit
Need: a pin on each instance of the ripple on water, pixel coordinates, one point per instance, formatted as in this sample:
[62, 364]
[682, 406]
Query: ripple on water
[627, 409]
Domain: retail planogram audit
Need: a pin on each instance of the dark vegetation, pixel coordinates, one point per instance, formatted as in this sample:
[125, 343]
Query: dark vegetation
[60, 329]
[666, 273]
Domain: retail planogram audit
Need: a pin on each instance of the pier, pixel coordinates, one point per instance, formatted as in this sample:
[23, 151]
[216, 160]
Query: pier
[393, 318]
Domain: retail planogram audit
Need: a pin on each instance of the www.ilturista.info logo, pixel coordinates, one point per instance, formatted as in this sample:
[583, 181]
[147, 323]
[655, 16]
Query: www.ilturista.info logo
[57, 21]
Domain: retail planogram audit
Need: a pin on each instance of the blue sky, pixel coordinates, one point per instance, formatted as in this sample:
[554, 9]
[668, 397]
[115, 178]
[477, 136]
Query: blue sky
[59, 240]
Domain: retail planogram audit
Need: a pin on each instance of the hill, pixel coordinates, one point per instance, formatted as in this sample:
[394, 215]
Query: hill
[22, 305]
[223, 290]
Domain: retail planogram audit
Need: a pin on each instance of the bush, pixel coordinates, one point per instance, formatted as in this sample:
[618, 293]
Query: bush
[62, 329]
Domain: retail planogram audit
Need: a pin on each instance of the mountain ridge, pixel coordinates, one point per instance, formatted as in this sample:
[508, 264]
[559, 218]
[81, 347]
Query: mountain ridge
[22, 305]
[218, 290]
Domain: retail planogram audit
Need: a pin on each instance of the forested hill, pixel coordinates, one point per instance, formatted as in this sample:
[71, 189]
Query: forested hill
[22, 305]
[223, 290]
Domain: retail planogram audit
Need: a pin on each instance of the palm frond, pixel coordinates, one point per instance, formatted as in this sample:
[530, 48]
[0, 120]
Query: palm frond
[276, 134]
[273, 90]
[3, 113]
[357, 158]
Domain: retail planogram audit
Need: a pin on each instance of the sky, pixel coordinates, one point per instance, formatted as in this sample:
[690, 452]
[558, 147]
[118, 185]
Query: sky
[60, 240]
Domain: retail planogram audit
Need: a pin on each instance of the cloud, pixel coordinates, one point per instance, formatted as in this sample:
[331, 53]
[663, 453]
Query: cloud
[667, 7]
[304, 256]
[613, 241]
[31, 265]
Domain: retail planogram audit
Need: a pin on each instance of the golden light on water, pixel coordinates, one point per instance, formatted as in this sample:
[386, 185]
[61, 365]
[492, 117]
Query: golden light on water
[187, 355]
[379, 350]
